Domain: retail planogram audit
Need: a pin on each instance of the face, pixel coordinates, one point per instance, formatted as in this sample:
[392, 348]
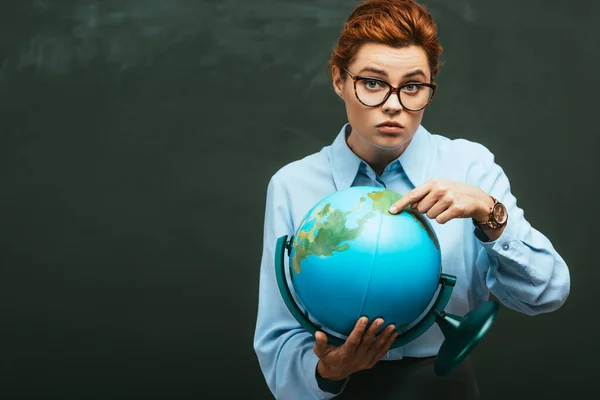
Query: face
[368, 141]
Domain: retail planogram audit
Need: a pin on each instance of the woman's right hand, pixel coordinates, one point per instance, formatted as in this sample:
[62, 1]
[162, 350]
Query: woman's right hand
[362, 350]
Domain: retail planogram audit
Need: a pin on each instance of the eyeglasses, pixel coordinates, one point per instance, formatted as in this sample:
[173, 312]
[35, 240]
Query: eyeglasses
[373, 92]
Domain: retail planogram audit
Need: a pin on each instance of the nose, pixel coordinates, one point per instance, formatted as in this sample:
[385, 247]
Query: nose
[392, 104]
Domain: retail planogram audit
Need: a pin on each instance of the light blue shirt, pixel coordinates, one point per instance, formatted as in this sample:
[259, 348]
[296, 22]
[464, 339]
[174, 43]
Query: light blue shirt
[521, 268]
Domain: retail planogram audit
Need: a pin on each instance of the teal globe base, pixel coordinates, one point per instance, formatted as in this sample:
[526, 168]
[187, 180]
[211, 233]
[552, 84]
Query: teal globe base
[461, 334]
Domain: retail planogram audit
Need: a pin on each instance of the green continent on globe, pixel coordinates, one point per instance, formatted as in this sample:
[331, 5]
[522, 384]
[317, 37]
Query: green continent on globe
[329, 228]
[327, 233]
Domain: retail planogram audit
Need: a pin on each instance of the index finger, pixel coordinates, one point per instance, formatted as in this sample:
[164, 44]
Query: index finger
[411, 197]
[355, 336]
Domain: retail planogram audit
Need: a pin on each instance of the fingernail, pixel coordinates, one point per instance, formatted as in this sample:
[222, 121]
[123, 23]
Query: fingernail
[393, 209]
[363, 321]
[378, 322]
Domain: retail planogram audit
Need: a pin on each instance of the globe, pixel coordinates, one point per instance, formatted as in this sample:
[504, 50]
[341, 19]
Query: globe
[350, 258]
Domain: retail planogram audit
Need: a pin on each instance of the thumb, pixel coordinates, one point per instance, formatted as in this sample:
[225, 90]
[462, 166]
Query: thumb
[321, 347]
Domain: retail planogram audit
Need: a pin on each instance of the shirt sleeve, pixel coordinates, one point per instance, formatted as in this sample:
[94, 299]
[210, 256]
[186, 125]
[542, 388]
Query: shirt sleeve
[521, 267]
[284, 349]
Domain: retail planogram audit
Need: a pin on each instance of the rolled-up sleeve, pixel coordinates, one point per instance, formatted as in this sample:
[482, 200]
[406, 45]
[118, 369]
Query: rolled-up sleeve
[521, 268]
[284, 349]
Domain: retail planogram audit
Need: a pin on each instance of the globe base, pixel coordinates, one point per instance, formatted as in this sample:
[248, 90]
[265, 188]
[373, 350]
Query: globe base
[462, 334]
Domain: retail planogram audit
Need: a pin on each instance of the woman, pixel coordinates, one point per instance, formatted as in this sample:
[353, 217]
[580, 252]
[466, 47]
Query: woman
[383, 67]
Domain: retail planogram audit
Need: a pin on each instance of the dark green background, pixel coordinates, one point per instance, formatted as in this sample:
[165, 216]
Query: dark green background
[137, 140]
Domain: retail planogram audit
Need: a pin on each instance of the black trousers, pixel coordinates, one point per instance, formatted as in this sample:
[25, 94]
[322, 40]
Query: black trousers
[412, 379]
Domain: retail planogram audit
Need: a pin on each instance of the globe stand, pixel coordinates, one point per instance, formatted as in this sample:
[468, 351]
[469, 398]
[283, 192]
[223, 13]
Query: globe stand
[461, 334]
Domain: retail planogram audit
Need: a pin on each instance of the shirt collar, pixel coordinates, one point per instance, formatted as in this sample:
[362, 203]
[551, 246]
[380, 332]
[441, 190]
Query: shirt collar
[414, 160]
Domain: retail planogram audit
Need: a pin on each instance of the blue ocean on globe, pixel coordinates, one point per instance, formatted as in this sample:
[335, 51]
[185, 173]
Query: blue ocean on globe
[350, 258]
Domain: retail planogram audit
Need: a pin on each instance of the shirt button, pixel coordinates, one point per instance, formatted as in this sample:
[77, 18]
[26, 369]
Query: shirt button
[505, 246]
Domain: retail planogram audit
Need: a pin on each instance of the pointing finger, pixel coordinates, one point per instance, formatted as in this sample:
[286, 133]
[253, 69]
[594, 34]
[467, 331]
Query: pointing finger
[411, 197]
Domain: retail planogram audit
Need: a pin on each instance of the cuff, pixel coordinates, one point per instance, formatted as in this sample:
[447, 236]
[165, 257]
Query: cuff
[330, 386]
[325, 387]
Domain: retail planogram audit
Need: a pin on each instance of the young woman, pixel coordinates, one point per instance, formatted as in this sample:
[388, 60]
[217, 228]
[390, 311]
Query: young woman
[383, 67]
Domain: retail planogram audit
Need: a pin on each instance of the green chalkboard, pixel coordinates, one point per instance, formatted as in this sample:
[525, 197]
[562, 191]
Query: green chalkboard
[137, 138]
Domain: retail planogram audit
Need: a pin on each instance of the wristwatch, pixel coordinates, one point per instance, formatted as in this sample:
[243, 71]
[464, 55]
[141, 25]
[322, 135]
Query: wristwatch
[497, 217]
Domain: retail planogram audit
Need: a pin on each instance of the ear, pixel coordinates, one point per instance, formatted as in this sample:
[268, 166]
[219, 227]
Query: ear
[338, 83]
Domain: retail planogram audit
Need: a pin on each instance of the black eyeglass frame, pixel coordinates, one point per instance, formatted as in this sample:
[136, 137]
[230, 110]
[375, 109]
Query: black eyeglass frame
[393, 89]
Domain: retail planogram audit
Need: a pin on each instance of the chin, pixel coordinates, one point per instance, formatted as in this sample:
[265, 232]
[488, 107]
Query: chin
[389, 142]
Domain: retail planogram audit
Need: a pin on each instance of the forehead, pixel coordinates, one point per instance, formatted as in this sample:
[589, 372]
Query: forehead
[396, 61]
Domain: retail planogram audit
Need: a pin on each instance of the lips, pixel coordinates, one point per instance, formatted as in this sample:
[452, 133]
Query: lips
[390, 124]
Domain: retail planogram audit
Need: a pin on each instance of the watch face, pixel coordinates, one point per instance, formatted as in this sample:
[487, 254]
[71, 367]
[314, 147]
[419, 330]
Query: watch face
[500, 213]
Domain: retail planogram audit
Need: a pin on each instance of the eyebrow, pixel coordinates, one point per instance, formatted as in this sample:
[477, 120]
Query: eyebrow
[383, 73]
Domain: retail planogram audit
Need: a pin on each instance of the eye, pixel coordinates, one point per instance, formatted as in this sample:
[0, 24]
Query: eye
[411, 88]
[372, 84]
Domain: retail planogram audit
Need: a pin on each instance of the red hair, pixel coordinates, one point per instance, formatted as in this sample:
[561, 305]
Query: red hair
[398, 23]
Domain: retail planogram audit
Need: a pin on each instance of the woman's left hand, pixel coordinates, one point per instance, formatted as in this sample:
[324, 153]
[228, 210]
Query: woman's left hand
[445, 199]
